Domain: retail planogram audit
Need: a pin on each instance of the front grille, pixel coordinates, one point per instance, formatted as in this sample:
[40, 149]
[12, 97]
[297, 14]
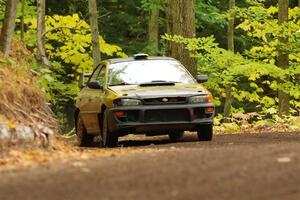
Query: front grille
[167, 115]
[164, 100]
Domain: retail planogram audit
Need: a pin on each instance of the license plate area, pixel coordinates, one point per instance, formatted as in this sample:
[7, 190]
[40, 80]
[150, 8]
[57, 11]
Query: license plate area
[176, 115]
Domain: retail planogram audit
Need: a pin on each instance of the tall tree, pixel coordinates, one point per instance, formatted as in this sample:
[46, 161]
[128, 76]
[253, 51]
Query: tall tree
[93, 12]
[41, 10]
[22, 19]
[230, 28]
[283, 56]
[153, 26]
[181, 21]
[8, 26]
[230, 47]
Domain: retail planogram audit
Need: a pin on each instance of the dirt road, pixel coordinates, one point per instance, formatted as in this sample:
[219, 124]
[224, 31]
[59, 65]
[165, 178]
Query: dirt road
[235, 167]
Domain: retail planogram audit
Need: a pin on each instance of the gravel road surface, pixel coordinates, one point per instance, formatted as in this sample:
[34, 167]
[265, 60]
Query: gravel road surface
[236, 167]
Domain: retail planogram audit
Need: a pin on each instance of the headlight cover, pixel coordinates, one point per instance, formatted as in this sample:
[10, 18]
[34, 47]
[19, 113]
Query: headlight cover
[128, 102]
[201, 99]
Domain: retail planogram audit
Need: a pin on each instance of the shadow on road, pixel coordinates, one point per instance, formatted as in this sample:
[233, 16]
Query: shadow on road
[159, 140]
[237, 139]
[219, 139]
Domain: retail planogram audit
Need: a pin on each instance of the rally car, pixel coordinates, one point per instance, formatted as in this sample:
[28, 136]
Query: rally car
[142, 95]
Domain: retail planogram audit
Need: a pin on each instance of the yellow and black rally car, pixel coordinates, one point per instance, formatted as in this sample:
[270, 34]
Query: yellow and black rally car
[142, 95]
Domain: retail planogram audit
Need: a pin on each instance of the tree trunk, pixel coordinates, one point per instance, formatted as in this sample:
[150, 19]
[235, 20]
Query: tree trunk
[8, 26]
[228, 103]
[181, 21]
[22, 19]
[70, 111]
[283, 58]
[93, 12]
[230, 46]
[41, 10]
[153, 27]
[230, 28]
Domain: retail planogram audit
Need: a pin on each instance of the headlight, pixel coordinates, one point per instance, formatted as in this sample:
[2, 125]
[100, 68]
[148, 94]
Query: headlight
[128, 102]
[201, 99]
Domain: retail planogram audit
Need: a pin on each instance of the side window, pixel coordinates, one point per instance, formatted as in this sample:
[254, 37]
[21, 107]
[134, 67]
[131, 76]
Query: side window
[101, 76]
[95, 74]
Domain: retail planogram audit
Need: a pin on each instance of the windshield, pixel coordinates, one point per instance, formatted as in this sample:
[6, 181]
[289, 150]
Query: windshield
[137, 72]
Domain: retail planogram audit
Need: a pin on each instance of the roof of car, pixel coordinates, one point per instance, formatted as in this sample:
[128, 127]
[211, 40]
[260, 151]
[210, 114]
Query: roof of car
[119, 60]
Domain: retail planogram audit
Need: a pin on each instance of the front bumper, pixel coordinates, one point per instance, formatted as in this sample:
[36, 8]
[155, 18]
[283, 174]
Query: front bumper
[144, 119]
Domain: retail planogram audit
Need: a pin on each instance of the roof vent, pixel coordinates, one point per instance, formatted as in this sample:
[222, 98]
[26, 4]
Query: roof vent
[140, 56]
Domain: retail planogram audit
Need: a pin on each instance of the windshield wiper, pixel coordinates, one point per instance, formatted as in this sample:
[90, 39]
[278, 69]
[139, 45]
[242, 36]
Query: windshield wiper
[157, 83]
[119, 84]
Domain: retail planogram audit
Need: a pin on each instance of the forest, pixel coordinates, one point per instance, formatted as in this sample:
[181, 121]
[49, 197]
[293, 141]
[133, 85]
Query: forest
[249, 48]
[161, 138]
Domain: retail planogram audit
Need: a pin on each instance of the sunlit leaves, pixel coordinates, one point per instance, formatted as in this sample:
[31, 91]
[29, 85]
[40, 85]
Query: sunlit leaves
[263, 25]
[68, 46]
[73, 35]
[254, 81]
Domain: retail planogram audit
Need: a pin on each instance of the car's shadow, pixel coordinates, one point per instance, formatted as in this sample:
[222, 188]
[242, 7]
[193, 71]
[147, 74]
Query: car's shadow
[161, 140]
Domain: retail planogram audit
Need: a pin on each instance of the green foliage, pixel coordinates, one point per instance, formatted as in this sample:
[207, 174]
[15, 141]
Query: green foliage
[2, 9]
[254, 82]
[125, 24]
[208, 14]
[210, 20]
[160, 5]
[72, 39]
[30, 9]
[254, 74]
[246, 124]
[261, 23]
[68, 47]
[147, 5]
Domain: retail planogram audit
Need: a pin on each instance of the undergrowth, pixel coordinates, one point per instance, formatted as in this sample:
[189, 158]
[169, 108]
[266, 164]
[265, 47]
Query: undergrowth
[256, 123]
[21, 99]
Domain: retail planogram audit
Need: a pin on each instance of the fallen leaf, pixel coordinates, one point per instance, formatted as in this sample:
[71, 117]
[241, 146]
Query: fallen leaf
[284, 160]
[10, 124]
[78, 164]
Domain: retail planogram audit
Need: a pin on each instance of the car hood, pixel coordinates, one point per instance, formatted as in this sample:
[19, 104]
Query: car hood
[182, 90]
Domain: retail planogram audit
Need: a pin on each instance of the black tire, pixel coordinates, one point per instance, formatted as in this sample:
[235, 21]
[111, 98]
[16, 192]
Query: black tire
[109, 139]
[205, 132]
[176, 136]
[83, 138]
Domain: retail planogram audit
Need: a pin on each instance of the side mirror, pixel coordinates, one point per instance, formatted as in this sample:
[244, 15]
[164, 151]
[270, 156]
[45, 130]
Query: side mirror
[202, 78]
[81, 82]
[94, 85]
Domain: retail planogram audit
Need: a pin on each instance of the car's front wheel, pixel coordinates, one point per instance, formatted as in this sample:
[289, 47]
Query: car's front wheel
[109, 139]
[205, 132]
[83, 138]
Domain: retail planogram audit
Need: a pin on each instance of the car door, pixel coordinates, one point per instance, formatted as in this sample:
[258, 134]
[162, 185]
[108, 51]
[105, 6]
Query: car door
[90, 101]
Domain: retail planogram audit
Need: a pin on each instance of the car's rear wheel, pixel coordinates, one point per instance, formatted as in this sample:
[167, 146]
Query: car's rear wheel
[205, 132]
[176, 136]
[109, 139]
[83, 138]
